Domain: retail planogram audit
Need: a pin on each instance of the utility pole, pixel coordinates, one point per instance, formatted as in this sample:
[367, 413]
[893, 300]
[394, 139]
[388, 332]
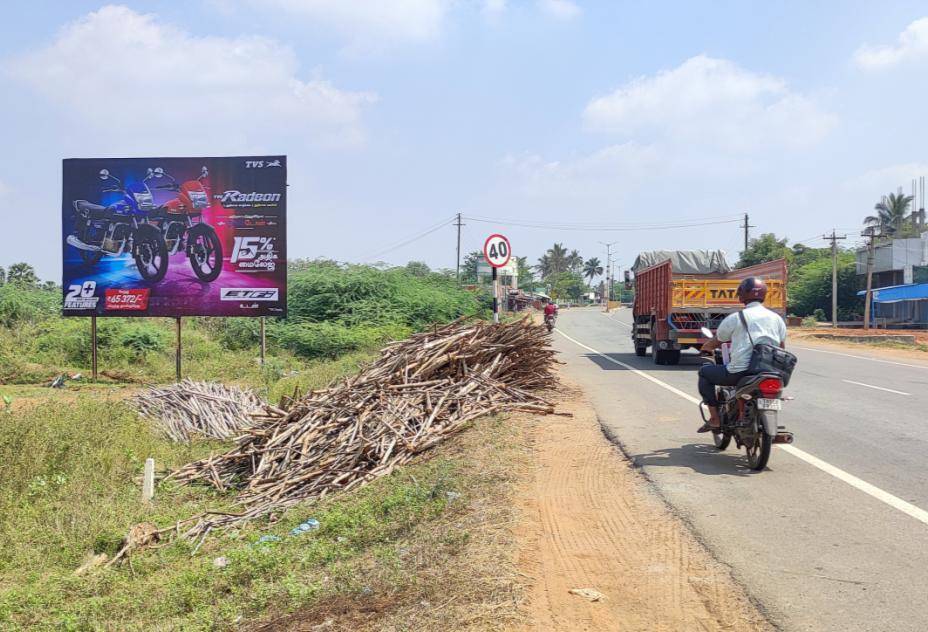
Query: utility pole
[869, 233]
[834, 275]
[608, 293]
[459, 224]
[746, 227]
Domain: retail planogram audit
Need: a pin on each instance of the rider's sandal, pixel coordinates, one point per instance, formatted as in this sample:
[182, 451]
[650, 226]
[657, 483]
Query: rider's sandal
[707, 428]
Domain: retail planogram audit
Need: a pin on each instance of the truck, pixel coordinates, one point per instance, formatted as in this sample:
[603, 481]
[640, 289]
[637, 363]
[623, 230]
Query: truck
[677, 293]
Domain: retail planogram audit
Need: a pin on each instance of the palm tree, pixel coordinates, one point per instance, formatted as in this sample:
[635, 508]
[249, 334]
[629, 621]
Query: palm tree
[574, 261]
[890, 213]
[554, 261]
[592, 268]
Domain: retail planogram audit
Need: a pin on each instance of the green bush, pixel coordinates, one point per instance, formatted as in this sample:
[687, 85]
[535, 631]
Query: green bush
[330, 340]
[819, 314]
[20, 304]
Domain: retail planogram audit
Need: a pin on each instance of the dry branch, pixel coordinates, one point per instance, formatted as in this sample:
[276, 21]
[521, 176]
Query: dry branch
[418, 393]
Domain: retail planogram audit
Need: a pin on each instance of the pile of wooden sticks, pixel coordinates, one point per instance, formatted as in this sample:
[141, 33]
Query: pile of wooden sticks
[418, 393]
[206, 409]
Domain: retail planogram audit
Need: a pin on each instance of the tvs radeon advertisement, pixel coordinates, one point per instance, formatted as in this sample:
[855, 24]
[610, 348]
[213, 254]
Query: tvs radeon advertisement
[175, 236]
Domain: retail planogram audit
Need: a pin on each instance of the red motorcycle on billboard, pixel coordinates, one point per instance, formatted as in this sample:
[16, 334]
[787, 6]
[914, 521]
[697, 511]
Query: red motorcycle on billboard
[181, 222]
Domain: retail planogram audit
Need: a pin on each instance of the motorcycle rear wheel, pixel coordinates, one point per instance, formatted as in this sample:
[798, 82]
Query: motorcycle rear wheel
[204, 250]
[759, 452]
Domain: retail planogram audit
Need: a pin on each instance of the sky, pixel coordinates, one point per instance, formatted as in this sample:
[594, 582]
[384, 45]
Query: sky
[566, 121]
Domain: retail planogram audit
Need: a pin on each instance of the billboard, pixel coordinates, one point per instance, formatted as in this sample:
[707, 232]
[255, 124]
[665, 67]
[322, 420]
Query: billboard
[175, 236]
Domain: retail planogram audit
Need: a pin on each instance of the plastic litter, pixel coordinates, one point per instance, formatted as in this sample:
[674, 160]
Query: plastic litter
[264, 539]
[309, 525]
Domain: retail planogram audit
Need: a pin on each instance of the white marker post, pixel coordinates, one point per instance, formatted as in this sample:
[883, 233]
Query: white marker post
[148, 480]
[497, 252]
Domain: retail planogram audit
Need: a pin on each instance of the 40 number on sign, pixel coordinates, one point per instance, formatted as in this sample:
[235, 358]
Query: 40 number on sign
[497, 251]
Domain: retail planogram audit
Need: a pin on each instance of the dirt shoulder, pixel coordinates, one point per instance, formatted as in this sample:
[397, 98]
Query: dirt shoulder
[589, 520]
[886, 350]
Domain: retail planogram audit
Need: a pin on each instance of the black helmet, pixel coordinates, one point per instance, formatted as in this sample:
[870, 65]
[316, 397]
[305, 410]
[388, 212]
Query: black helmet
[752, 289]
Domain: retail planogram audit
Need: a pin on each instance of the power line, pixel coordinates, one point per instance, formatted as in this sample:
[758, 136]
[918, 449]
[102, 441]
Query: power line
[410, 240]
[599, 227]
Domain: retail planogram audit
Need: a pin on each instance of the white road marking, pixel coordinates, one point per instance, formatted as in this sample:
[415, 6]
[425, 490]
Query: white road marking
[849, 355]
[621, 322]
[893, 501]
[879, 388]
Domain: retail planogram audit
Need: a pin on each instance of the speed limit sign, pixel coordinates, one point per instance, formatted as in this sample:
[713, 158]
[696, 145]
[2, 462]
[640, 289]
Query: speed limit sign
[497, 251]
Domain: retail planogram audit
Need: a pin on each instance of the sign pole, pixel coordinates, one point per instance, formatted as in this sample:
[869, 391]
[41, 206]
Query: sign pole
[263, 342]
[177, 358]
[93, 347]
[495, 295]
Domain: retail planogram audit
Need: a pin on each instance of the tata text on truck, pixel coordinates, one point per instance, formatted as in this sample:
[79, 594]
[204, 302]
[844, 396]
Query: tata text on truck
[679, 292]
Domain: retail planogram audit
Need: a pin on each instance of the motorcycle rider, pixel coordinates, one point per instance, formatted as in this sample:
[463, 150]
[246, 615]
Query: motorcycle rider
[550, 311]
[766, 327]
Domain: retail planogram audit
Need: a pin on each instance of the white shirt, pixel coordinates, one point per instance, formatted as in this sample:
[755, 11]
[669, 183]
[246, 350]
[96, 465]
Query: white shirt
[765, 325]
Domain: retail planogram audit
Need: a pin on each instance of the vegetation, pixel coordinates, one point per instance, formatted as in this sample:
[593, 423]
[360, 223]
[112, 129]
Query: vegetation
[809, 286]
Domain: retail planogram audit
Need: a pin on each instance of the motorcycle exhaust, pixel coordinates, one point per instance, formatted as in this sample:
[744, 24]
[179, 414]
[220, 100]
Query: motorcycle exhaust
[783, 437]
[72, 240]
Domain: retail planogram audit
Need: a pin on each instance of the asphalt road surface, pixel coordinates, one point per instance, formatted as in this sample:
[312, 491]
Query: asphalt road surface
[834, 534]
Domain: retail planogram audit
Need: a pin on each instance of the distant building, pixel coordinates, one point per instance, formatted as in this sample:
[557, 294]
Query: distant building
[508, 275]
[900, 273]
[897, 262]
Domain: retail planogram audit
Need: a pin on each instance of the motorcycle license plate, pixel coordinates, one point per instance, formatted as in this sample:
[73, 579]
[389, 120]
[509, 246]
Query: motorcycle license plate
[769, 404]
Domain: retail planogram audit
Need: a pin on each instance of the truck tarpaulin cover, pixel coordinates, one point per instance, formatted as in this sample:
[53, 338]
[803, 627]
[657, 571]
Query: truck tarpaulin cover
[685, 261]
[175, 236]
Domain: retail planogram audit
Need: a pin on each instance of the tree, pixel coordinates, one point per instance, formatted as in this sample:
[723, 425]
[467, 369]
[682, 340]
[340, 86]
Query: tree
[890, 214]
[22, 274]
[567, 285]
[574, 261]
[554, 261]
[592, 268]
[810, 287]
[524, 270]
[763, 249]
[418, 268]
[469, 266]
[2, 276]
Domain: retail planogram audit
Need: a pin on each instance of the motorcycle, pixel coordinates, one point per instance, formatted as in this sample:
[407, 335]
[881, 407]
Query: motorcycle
[550, 319]
[182, 225]
[121, 226]
[749, 412]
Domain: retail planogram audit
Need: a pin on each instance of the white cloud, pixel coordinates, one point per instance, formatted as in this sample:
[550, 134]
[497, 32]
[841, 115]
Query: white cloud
[493, 9]
[560, 9]
[138, 76]
[370, 26]
[712, 101]
[612, 168]
[911, 44]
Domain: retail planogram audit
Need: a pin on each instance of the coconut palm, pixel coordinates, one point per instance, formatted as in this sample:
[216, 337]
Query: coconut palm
[554, 261]
[574, 261]
[592, 268]
[890, 213]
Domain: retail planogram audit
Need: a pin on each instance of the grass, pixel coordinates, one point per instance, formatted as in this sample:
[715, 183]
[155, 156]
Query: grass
[69, 487]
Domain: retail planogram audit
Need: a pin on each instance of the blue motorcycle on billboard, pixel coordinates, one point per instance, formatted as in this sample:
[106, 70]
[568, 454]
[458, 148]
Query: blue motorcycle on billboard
[119, 225]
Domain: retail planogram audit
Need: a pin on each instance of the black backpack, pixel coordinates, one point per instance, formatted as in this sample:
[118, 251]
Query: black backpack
[768, 358]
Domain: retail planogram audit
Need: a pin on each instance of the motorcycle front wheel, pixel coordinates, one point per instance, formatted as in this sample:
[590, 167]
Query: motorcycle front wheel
[721, 440]
[758, 450]
[150, 253]
[204, 250]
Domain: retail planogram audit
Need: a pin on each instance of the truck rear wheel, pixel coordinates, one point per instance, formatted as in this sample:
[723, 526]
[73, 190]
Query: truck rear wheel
[641, 350]
[672, 357]
[656, 354]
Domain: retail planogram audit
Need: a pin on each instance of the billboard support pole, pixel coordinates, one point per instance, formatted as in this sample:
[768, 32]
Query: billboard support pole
[177, 359]
[263, 342]
[93, 347]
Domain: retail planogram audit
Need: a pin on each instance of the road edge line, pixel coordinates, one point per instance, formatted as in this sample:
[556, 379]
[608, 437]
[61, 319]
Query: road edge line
[871, 490]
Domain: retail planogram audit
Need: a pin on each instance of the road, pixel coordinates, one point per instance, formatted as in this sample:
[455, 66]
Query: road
[833, 535]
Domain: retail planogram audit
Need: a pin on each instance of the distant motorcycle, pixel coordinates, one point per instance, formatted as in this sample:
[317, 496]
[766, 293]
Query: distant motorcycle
[550, 321]
[749, 413]
[120, 225]
[181, 222]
